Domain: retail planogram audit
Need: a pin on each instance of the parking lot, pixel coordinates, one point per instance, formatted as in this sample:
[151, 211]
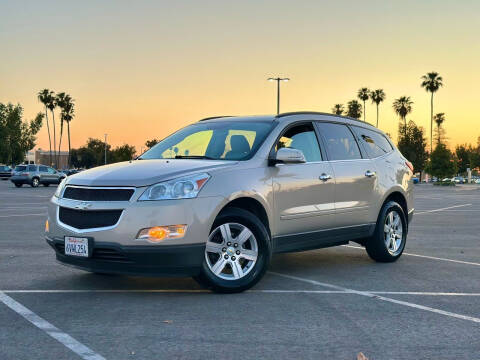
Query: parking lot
[329, 303]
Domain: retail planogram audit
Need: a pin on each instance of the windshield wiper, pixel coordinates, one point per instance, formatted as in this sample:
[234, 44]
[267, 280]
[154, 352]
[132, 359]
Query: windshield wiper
[194, 157]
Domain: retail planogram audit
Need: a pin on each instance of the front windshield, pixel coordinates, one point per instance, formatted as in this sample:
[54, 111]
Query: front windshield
[228, 140]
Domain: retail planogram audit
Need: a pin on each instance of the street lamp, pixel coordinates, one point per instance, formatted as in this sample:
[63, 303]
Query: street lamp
[105, 149]
[278, 79]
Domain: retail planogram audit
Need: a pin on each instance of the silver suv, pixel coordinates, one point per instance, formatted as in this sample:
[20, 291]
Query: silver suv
[217, 198]
[34, 175]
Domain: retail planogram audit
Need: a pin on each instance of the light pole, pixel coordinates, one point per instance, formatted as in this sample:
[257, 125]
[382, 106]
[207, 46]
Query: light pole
[105, 149]
[278, 79]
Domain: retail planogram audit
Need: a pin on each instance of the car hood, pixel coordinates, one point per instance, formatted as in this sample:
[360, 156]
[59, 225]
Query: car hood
[143, 172]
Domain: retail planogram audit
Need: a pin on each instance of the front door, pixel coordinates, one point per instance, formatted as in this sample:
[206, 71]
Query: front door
[303, 193]
[355, 175]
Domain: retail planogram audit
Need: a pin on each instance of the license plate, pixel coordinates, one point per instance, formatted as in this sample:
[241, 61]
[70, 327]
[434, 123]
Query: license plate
[76, 246]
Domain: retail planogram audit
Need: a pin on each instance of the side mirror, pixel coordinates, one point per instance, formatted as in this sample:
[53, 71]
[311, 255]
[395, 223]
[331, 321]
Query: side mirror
[289, 156]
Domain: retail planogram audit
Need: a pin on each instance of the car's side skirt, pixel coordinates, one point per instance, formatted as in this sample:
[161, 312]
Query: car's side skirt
[322, 238]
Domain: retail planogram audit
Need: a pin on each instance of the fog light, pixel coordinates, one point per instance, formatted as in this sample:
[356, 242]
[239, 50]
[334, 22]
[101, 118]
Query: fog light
[47, 226]
[159, 233]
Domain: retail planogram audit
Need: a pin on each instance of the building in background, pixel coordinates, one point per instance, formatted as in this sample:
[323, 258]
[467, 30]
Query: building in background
[43, 157]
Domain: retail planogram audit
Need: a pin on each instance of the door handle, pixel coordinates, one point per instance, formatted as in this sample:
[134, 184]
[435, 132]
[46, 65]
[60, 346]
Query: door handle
[325, 177]
[370, 173]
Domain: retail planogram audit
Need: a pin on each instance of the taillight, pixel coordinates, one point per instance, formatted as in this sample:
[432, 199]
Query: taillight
[24, 174]
[409, 164]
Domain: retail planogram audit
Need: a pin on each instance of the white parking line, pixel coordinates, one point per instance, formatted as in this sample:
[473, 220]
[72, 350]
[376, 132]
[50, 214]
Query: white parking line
[425, 257]
[78, 348]
[382, 298]
[264, 291]
[7, 216]
[441, 209]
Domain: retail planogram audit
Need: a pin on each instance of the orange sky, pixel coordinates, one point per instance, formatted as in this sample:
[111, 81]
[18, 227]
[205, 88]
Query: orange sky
[139, 70]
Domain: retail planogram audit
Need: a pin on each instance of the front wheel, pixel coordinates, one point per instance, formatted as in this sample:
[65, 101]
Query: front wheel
[18, 185]
[390, 236]
[237, 252]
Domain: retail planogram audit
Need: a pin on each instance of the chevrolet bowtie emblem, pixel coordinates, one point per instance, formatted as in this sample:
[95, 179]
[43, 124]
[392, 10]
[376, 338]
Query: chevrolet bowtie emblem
[83, 206]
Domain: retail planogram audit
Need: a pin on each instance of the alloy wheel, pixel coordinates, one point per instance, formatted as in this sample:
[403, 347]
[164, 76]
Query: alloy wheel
[393, 232]
[231, 251]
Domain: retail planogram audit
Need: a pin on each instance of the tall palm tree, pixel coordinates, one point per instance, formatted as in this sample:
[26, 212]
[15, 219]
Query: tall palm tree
[68, 114]
[439, 119]
[52, 104]
[63, 101]
[431, 82]
[403, 107]
[364, 94]
[354, 109]
[44, 97]
[338, 109]
[377, 97]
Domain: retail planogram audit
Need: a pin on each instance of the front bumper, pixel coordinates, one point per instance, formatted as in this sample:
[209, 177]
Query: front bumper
[112, 258]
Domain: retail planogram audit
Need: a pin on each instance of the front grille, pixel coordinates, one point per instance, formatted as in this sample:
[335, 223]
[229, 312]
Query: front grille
[88, 219]
[91, 194]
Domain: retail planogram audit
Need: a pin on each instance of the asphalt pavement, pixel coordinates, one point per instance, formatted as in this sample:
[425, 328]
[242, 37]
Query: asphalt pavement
[329, 303]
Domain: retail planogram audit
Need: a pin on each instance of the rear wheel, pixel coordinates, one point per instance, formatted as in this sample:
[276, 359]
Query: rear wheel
[35, 182]
[237, 252]
[390, 236]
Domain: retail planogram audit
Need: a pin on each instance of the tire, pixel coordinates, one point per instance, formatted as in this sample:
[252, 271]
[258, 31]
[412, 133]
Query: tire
[237, 273]
[388, 241]
[35, 182]
[18, 185]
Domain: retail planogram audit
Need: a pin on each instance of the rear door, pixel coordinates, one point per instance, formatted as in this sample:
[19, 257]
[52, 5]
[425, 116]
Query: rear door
[45, 177]
[355, 175]
[303, 201]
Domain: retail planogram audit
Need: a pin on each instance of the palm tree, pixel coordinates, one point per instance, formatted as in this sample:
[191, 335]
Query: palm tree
[338, 109]
[68, 115]
[354, 109]
[377, 97]
[44, 97]
[403, 107]
[439, 119]
[63, 101]
[364, 94]
[431, 82]
[52, 104]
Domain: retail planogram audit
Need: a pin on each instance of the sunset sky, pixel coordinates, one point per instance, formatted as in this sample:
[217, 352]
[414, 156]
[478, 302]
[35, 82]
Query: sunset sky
[142, 69]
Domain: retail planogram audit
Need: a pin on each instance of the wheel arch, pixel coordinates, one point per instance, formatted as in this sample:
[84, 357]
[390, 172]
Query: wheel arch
[252, 205]
[399, 197]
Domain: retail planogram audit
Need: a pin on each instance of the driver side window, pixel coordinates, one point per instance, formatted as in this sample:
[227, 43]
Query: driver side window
[301, 137]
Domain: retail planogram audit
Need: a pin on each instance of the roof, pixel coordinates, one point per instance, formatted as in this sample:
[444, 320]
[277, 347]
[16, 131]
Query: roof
[285, 115]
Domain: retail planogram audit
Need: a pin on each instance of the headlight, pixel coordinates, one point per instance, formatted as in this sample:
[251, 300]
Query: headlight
[182, 188]
[60, 188]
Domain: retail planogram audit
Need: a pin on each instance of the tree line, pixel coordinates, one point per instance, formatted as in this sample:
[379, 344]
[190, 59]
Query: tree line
[438, 161]
[93, 154]
[17, 136]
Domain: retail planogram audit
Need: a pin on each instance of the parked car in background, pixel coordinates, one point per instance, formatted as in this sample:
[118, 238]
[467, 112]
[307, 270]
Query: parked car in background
[69, 172]
[34, 175]
[215, 199]
[416, 180]
[5, 172]
[458, 180]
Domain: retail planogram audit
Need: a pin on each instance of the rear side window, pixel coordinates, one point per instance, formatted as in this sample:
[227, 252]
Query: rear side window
[340, 142]
[32, 168]
[375, 144]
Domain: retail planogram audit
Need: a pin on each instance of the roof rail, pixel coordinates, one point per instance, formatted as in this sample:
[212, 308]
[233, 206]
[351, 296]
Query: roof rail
[320, 113]
[215, 117]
